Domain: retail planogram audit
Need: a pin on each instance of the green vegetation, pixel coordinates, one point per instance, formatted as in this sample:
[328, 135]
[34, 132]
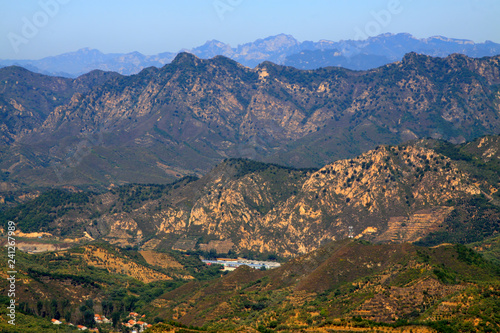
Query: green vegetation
[61, 281]
[472, 220]
[471, 157]
[489, 248]
[413, 281]
[133, 195]
[245, 166]
[36, 215]
[322, 289]
[26, 322]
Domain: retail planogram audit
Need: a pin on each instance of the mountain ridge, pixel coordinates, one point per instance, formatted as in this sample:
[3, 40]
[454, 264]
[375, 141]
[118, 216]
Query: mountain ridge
[208, 110]
[404, 193]
[283, 49]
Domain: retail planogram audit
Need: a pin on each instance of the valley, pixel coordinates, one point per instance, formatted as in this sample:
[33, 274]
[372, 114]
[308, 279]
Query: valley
[346, 285]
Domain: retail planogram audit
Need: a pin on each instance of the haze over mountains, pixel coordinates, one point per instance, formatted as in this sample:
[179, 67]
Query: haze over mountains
[281, 49]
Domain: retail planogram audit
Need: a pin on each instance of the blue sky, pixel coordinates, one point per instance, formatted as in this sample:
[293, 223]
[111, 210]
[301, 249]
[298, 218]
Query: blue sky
[39, 28]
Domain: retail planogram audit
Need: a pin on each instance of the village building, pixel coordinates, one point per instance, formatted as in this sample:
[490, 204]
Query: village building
[232, 264]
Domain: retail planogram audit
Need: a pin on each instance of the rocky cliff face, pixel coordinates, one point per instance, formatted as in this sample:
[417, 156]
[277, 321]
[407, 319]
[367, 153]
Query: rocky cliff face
[186, 117]
[361, 193]
[389, 194]
[27, 99]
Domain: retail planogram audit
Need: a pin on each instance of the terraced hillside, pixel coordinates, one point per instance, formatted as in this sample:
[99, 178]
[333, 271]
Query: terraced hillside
[94, 278]
[349, 285]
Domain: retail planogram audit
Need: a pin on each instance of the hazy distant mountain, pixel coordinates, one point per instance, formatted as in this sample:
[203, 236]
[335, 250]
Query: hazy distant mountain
[312, 59]
[77, 63]
[384, 49]
[213, 48]
[281, 49]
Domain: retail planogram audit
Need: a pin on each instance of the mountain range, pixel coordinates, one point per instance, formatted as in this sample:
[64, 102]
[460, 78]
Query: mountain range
[428, 191]
[105, 129]
[373, 188]
[280, 49]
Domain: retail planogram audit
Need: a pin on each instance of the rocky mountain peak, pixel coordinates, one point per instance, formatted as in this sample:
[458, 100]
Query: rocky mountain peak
[185, 58]
[270, 44]
[412, 58]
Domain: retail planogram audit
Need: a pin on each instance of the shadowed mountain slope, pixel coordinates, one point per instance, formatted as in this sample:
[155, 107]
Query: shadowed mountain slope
[186, 117]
